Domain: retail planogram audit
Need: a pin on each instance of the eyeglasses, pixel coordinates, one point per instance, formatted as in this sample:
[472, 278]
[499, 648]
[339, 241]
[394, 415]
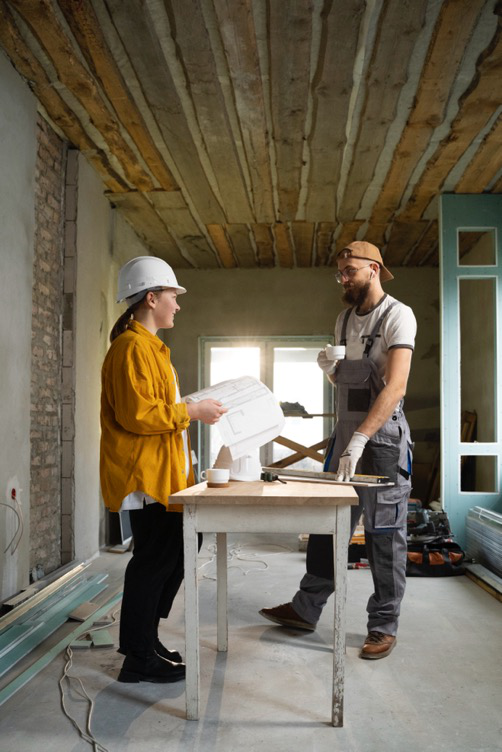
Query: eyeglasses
[348, 273]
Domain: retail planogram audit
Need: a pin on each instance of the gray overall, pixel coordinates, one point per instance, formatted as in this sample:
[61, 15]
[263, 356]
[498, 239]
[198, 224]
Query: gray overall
[388, 452]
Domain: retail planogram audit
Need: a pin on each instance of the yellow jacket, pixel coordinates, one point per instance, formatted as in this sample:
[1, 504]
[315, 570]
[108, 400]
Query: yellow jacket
[141, 423]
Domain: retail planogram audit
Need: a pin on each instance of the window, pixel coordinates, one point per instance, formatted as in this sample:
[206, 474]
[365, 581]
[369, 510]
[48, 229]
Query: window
[288, 366]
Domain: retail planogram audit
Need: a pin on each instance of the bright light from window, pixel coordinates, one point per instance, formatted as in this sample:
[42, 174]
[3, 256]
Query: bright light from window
[232, 362]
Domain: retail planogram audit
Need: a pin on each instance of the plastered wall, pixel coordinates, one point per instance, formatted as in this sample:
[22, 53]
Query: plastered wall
[17, 228]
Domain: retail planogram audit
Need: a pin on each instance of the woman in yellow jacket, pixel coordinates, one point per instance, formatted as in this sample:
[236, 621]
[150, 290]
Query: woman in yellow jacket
[145, 457]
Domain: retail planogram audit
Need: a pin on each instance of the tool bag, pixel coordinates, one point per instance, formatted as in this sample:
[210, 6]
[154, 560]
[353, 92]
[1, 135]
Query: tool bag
[439, 557]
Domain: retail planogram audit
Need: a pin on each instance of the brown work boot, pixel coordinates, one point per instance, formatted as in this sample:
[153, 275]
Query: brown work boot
[286, 616]
[377, 645]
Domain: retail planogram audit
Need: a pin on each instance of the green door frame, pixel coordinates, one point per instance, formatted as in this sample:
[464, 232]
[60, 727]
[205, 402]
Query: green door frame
[465, 213]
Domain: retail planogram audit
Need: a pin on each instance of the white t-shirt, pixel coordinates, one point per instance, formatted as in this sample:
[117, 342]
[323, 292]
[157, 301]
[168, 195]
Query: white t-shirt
[135, 500]
[397, 330]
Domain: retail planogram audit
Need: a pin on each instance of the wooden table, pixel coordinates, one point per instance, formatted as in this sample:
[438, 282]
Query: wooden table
[259, 507]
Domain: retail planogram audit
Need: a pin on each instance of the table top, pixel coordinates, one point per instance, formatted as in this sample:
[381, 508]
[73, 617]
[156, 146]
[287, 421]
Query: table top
[262, 493]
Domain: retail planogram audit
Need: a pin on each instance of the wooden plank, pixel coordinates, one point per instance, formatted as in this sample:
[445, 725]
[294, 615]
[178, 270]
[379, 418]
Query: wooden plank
[45, 26]
[283, 246]
[174, 212]
[29, 67]
[238, 34]
[331, 88]
[303, 239]
[84, 25]
[479, 102]
[399, 25]
[264, 242]
[444, 57]
[296, 447]
[346, 235]
[324, 242]
[141, 215]
[222, 245]
[425, 246]
[240, 239]
[289, 45]
[485, 165]
[177, 127]
[403, 236]
[181, 28]
[297, 456]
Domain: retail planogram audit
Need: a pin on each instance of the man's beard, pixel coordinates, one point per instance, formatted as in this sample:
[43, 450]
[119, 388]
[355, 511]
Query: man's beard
[355, 296]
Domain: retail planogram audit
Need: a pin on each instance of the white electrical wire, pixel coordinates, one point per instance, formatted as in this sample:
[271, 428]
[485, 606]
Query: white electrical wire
[236, 553]
[18, 511]
[85, 734]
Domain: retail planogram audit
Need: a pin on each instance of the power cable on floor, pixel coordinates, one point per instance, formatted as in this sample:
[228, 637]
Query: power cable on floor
[235, 553]
[85, 734]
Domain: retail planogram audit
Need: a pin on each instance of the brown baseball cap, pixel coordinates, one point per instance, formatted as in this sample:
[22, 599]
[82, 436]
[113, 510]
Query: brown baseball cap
[363, 250]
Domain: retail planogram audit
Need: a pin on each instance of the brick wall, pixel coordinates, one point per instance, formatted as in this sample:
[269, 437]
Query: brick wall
[46, 379]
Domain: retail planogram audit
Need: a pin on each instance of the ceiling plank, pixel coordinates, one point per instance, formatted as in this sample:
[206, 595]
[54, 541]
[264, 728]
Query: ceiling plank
[303, 239]
[289, 45]
[331, 89]
[160, 92]
[181, 28]
[45, 27]
[485, 165]
[325, 242]
[399, 24]
[476, 106]
[172, 209]
[29, 67]
[84, 25]
[345, 235]
[141, 215]
[426, 245]
[238, 34]
[403, 236]
[264, 242]
[240, 239]
[283, 246]
[444, 57]
[222, 245]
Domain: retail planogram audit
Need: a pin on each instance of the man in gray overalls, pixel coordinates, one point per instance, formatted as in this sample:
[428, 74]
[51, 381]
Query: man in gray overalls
[371, 436]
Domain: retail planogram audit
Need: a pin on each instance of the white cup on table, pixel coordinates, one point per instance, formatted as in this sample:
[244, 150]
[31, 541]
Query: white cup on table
[216, 477]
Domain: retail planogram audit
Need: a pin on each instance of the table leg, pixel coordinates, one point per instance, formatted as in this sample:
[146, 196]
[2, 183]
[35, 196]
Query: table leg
[221, 592]
[191, 612]
[340, 552]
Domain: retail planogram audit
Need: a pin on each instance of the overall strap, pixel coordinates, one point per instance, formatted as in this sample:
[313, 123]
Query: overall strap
[376, 329]
[343, 340]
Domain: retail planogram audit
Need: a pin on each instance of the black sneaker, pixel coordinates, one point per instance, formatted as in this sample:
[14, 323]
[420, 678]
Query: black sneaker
[170, 655]
[152, 668]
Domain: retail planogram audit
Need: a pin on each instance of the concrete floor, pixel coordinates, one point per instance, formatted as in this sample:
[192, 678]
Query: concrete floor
[439, 691]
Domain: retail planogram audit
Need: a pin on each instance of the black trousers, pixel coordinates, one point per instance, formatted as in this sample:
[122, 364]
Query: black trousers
[152, 578]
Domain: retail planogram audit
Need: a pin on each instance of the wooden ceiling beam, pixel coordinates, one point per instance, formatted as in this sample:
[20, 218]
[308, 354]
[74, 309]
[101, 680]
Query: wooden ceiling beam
[346, 235]
[238, 34]
[222, 245]
[46, 28]
[85, 27]
[403, 236]
[444, 57]
[264, 242]
[325, 242]
[481, 99]
[330, 91]
[290, 49]
[303, 239]
[240, 238]
[283, 245]
[141, 215]
[28, 66]
[399, 25]
[178, 127]
[425, 246]
[485, 165]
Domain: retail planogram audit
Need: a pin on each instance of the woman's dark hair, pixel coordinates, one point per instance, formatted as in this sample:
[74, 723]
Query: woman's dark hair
[123, 321]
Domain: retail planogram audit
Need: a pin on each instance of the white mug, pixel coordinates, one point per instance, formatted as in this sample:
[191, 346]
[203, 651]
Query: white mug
[216, 476]
[335, 352]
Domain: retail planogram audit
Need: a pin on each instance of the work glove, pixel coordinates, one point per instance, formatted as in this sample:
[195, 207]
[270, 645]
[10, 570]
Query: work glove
[351, 456]
[327, 365]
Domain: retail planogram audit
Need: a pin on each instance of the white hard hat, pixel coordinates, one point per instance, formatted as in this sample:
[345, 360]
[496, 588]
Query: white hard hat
[144, 273]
